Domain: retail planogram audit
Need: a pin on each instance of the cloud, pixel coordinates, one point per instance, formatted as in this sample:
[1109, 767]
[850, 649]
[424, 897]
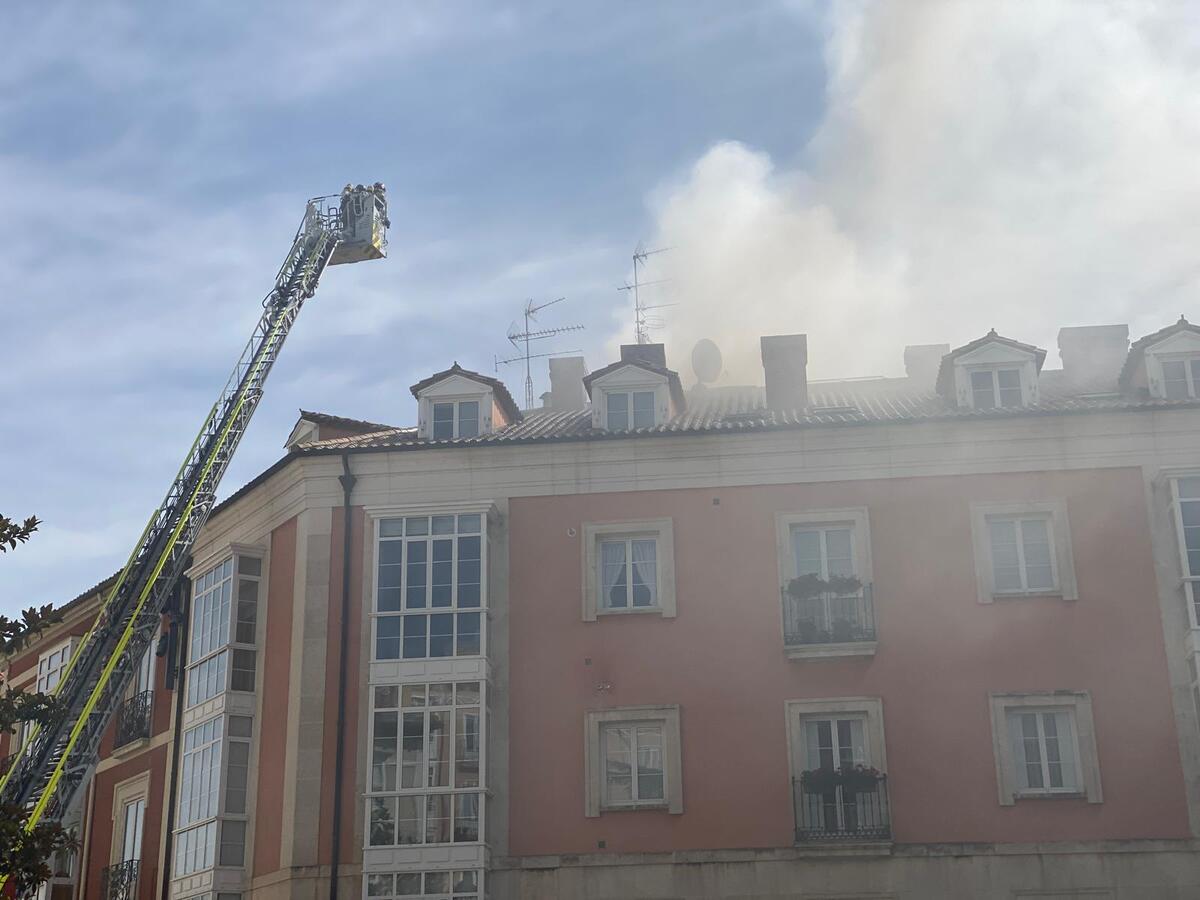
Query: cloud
[1017, 165]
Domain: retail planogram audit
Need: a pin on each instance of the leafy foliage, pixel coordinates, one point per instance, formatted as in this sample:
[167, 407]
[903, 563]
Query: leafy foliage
[13, 533]
[25, 854]
[806, 587]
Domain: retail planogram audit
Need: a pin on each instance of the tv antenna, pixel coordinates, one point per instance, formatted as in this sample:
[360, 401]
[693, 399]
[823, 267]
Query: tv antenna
[642, 322]
[523, 340]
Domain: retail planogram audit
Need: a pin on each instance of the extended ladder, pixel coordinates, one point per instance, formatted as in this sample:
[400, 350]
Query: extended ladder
[54, 761]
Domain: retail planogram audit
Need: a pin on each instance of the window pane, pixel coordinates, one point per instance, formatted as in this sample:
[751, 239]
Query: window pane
[468, 638]
[437, 819]
[645, 573]
[1009, 381]
[235, 777]
[1035, 540]
[618, 764]
[387, 637]
[379, 885]
[416, 526]
[412, 758]
[806, 548]
[441, 694]
[383, 751]
[414, 637]
[408, 883]
[466, 817]
[466, 748]
[1175, 379]
[650, 762]
[441, 635]
[839, 555]
[643, 409]
[468, 418]
[383, 821]
[415, 595]
[443, 421]
[437, 882]
[409, 827]
[443, 571]
[613, 577]
[618, 412]
[1006, 560]
[467, 693]
[469, 524]
[470, 566]
[982, 391]
[438, 749]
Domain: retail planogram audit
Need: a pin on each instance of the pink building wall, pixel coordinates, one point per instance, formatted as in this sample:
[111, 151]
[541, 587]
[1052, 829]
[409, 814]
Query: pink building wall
[940, 653]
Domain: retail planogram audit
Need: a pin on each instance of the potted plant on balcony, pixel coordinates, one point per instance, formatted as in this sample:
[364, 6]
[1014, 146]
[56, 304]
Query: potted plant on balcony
[853, 779]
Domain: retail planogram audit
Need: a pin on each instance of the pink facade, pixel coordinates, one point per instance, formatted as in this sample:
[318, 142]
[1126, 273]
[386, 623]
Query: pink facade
[940, 652]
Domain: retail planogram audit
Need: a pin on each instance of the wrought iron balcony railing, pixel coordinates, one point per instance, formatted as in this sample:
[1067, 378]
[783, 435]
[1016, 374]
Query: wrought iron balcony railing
[856, 810]
[828, 618]
[133, 722]
[119, 882]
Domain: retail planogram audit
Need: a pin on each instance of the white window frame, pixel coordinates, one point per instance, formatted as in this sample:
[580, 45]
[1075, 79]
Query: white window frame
[126, 792]
[630, 408]
[1188, 360]
[66, 648]
[1079, 705]
[870, 709]
[456, 402]
[856, 518]
[1190, 580]
[234, 554]
[595, 801]
[660, 530]
[994, 371]
[1062, 561]
[424, 891]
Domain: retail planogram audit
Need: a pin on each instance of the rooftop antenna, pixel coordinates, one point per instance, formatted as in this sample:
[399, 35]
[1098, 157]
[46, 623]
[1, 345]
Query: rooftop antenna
[643, 323]
[521, 340]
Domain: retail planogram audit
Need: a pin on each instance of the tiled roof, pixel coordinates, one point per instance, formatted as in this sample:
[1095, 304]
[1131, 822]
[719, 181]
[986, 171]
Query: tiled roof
[734, 409]
[511, 411]
[360, 425]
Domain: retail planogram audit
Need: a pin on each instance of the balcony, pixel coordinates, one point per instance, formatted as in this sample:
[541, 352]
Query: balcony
[828, 623]
[119, 882]
[133, 720]
[841, 805]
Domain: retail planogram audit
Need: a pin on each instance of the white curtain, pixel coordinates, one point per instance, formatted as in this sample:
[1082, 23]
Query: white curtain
[644, 564]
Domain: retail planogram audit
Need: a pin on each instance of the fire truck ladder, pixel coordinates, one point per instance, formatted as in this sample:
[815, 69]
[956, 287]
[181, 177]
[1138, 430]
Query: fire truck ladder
[55, 760]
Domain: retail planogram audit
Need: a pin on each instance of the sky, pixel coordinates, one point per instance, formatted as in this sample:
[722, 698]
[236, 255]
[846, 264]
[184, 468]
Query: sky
[872, 174]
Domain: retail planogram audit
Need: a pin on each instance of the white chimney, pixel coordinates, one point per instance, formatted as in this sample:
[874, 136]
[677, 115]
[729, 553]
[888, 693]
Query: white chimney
[1093, 354]
[566, 383]
[785, 367]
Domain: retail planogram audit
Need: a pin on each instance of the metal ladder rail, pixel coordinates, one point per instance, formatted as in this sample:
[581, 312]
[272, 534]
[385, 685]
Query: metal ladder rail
[296, 282]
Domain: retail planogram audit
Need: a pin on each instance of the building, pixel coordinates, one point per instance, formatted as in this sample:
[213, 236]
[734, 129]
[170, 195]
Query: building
[922, 637]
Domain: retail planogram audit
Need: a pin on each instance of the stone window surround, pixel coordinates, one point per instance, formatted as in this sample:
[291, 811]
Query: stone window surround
[664, 533]
[126, 792]
[855, 516]
[1077, 702]
[593, 755]
[870, 707]
[1060, 531]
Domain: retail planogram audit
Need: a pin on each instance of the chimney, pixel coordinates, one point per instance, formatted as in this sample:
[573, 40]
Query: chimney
[785, 362]
[1093, 354]
[921, 363]
[655, 354]
[566, 383]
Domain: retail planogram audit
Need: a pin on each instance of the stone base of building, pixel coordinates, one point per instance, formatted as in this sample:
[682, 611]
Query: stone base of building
[1119, 870]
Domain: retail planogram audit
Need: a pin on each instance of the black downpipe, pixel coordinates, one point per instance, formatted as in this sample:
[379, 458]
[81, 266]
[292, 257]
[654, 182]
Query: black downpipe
[347, 480]
[176, 648]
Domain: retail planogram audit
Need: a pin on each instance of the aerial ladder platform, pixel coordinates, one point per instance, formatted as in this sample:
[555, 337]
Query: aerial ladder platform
[55, 760]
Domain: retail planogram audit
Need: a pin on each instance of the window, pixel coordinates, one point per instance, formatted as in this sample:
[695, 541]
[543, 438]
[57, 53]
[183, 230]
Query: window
[455, 419]
[625, 407]
[51, 666]
[429, 587]
[195, 849]
[629, 573]
[204, 840]
[1022, 549]
[1187, 521]
[132, 817]
[991, 388]
[1045, 746]
[1181, 378]
[233, 843]
[1022, 554]
[455, 885]
[426, 764]
[838, 766]
[200, 778]
[217, 616]
[629, 567]
[632, 756]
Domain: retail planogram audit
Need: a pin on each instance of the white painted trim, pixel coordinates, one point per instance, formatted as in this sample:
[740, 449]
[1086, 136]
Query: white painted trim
[1062, 561]
[869, 707]
[1079, 704]
[663, 531]
[127, 791]
[216, 556]
[593, 755]
[855, 516]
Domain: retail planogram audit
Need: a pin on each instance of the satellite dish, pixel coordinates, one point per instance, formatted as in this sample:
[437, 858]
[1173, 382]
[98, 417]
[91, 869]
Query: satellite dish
[706, 361]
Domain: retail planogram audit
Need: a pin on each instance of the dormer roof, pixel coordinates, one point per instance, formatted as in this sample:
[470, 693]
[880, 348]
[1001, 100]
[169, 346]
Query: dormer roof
[945, 376]
[499, 392]
[678, 399]
[316, 426]
[1137, 350]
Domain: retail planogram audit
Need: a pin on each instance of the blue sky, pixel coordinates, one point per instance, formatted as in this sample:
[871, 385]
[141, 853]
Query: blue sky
[872, 173]
[157, 158]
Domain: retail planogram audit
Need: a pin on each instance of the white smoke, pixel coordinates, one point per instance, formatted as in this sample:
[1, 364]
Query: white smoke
[1021, 166]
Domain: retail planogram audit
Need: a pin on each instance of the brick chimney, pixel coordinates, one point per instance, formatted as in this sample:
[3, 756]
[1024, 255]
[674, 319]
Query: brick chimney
[1093, 354]
[785, 366]
[566, 383]
[655, 354]
[921, 363]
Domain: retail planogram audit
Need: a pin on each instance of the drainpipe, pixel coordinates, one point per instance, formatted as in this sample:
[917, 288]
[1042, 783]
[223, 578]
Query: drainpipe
[346, 479]
[177, 639]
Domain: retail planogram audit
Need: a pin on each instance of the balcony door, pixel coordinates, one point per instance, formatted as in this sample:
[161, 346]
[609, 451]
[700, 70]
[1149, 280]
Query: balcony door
[832, 804]
[133, 817]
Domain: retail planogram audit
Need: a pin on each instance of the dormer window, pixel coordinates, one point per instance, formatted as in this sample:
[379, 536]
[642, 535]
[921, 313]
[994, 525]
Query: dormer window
[1181, 378]
[625, 407]
[991, 388]
[455, 419]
